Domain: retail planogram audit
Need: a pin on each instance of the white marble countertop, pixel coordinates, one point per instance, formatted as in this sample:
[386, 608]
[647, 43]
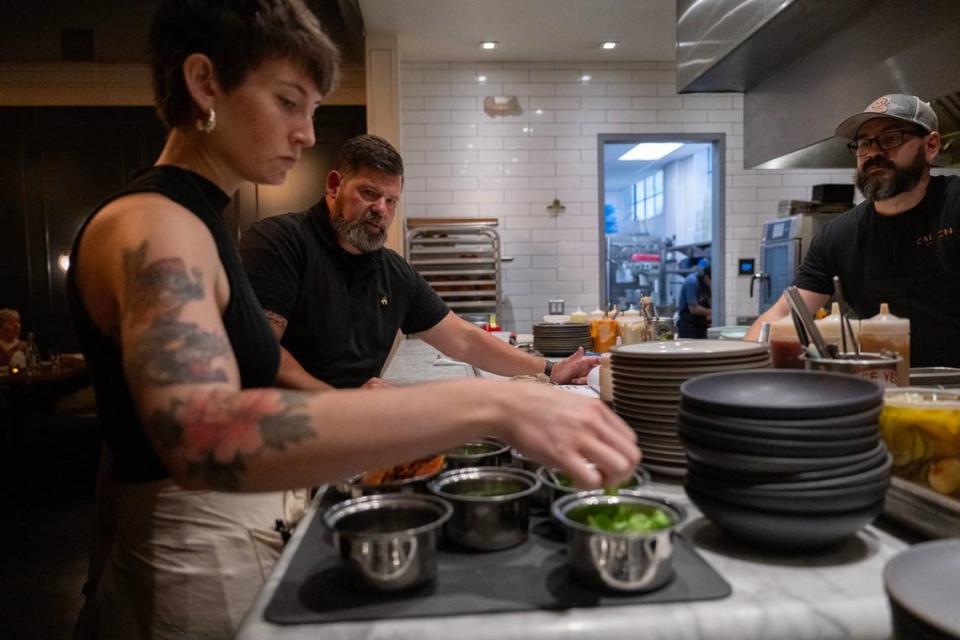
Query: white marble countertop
[833, 594]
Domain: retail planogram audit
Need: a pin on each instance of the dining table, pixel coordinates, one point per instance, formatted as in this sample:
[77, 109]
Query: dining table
[834, 593]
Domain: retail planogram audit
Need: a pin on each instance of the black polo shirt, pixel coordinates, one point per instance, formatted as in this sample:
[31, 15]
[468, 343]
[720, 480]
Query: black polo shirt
[344, 310]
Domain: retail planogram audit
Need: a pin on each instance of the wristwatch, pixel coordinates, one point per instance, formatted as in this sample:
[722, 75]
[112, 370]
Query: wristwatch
[548, 369]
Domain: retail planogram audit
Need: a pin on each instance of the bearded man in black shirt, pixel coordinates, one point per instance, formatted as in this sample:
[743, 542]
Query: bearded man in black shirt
[902, 244]
[336, 297]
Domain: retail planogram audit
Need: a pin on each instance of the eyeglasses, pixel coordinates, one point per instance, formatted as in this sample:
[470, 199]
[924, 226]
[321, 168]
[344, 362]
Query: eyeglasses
[885, 141]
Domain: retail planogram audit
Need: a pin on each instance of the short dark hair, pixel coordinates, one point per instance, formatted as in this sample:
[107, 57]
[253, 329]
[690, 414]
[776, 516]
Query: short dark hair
[370, 152]
[237, 36]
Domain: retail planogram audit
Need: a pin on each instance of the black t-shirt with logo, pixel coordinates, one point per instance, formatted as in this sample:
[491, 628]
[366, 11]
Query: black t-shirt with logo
[344, 310]
[924, 241]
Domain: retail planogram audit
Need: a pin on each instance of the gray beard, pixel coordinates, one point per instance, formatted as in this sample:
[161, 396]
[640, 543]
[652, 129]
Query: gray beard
[356, 234]
[883, 187]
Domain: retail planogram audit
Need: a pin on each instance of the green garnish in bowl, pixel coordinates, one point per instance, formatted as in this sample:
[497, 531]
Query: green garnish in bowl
[621, 518]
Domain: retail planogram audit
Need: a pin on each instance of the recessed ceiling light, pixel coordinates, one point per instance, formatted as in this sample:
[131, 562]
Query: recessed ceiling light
[650, 151]
[481, 78]
[610, 45]
[584, 78]
[539, 112]
[489, 44]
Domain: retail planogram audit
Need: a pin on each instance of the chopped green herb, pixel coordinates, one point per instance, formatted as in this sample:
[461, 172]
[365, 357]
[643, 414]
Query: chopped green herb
[621, 518]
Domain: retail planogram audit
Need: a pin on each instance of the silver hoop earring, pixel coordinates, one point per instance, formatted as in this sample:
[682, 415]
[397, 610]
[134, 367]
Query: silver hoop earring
[208, 124]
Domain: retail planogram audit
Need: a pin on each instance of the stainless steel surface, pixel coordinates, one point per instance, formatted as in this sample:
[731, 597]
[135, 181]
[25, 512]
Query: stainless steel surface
[558, 490]
[388, 542]
[880, 369]
[497, 454]
[461, 262]
[922, 509]
[806, 329]
[487, 523]
[619, 561]
[873, 55]
[944, 377]
[729, 45]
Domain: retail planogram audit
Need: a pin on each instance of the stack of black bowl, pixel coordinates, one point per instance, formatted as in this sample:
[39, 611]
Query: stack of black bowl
[787, 459]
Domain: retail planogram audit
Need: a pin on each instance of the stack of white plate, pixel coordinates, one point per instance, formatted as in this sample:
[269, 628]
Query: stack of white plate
[646, 389]
[561, 339]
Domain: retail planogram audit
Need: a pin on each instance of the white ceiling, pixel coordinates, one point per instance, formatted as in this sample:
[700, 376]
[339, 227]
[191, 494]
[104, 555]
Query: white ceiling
[527, 30]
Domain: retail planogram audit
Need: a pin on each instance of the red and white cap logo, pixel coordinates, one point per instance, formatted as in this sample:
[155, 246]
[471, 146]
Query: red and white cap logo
[879, 105]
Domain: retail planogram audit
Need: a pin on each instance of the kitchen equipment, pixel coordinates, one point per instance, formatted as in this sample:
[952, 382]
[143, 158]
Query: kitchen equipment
[942, 377]
[561, 339]
[477, 453]
[388, 542]
[920, 427]
[887, 332]
[783, 245]
[491, 505]
[806, 329]
[560, 484]
[921, 584]
[461, 262]
[881, 369]
[618, 561]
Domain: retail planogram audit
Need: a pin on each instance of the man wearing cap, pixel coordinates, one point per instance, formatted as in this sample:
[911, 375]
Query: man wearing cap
[901, 245]
[693, 303]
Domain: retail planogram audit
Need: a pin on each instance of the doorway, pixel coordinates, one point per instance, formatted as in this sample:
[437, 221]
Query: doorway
[661, 216]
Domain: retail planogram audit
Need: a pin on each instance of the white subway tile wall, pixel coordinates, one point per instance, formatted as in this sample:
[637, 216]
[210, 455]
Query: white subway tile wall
[461, 162]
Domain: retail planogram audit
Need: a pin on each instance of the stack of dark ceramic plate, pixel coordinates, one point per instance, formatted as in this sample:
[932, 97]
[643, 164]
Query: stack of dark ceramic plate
[552, 339]
[788, 459]
[646, 389]
[921, 584]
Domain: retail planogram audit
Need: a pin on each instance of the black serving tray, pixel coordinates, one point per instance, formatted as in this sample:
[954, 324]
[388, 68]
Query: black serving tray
[532, 576]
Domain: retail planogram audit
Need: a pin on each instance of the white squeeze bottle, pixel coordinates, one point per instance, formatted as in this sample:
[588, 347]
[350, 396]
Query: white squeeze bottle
[887, 332]
[830, 328]
[579, 317]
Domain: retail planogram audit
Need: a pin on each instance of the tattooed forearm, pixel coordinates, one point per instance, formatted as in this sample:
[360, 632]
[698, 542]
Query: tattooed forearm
[220, 432]
[172, 352]
[160, 289]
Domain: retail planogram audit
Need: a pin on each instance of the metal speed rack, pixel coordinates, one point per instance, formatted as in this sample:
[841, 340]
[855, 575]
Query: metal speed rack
[461, 261]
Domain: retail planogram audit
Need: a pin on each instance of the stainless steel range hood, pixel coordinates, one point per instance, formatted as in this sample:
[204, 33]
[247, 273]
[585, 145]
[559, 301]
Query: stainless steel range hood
[805, 65]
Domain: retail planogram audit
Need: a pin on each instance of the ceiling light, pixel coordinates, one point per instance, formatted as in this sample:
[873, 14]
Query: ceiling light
[610, 45]
[481, 78]
[539, 112]
[650, 150]
[489, 44]
[584, 78]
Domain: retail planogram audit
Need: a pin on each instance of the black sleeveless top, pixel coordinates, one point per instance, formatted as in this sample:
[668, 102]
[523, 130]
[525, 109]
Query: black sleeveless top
[250, 335]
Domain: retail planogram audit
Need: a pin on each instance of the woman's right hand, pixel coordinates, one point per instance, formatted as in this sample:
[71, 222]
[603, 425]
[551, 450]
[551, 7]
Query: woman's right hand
[579, 435]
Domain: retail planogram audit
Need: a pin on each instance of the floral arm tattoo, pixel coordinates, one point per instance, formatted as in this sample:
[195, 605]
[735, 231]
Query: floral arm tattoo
[218, 431]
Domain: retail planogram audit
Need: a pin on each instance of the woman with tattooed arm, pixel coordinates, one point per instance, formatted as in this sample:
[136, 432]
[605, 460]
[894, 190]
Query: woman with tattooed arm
[182, 357]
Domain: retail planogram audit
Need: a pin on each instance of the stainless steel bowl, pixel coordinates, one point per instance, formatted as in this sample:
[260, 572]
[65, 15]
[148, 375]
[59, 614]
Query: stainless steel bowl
[487, 522]
[388, 542]
[353, 487]
[618, 561]
[495, 453]
[555, 490]
[523, 462]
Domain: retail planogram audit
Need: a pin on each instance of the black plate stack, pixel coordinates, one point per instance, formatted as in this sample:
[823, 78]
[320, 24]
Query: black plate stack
[646, 389]
[787, 459]
[556, 339]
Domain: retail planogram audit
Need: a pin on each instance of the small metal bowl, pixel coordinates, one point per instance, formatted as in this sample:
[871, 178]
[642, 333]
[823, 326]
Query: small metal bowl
[388, 542]
[487, 452]
[353, 487]
[618, 561]
[554, 490]
[498, 518]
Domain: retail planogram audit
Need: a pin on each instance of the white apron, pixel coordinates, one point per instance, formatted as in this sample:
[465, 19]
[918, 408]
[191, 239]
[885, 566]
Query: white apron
[188, 564]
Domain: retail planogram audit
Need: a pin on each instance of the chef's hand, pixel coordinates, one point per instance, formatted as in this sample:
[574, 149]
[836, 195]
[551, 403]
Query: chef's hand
[566, 431]
[574, 368]
[377, 383]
